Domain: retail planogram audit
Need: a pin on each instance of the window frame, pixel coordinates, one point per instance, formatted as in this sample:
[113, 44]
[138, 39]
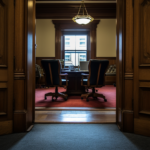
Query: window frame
[76, 51]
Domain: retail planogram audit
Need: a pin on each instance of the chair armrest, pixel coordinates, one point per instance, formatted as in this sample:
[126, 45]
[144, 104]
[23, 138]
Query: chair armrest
[83, 74]
[64, 74]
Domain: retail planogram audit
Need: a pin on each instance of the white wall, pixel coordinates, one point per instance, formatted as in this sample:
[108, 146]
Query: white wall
[106, 38]
[45, 38]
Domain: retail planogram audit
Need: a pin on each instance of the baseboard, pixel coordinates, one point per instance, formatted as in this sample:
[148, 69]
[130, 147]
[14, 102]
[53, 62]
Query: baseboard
[75, 108]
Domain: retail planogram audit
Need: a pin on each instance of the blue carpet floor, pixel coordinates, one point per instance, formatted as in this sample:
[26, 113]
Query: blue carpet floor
[74, 137]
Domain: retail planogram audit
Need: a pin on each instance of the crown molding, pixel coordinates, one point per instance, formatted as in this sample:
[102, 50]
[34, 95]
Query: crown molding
[98, 1]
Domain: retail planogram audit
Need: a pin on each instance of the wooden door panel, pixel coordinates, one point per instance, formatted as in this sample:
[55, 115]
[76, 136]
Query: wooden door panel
[142, 126]
[3, 101]
[3, 33]
[144, 100]
[145, 32]
[142, 67]
[6, 65]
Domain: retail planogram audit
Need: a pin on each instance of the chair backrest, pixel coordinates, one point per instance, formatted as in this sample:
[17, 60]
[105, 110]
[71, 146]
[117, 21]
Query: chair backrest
[52, 71]
[97, 69]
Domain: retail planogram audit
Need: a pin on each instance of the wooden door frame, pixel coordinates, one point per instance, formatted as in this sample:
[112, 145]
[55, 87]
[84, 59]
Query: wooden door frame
[120, 125]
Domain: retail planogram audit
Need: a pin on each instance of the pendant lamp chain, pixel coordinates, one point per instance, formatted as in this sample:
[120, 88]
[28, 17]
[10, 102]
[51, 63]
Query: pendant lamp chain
[83, 18]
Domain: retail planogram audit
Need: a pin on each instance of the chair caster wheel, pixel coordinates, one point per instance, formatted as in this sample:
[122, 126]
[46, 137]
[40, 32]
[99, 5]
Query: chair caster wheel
[66, 98]
[87, 100]
[105, 100]
[45, 98]
[53, 99]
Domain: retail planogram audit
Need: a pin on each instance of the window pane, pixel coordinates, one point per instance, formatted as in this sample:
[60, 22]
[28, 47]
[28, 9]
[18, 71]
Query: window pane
[69, 58]
[80, 56]
[75, 49]
[69, 42]
[78, 42]
[74, 57]
[81, 42]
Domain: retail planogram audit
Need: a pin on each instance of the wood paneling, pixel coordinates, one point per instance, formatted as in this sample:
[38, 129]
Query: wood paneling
[6, 65]
[3, 34]
[144, 33]
[120, 60]
[110, 80]
[124, 63]
[6, 127]
[93, 42]
[128, 97]
[19, 95]
[3, 101]
[129, 37]
[4, 74]
[144, 103]
[142, 127]
[141, 67]
[19, 122]
[112, 60]
[128, 121]
[19, 54]
[69, 10]
[24, 66]
[19, 64]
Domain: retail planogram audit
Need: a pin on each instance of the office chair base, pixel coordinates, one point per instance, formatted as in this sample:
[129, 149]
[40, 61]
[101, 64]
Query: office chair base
[56, 95]
[94, 95]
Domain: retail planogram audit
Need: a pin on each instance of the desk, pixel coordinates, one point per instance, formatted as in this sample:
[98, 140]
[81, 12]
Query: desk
[74, 84]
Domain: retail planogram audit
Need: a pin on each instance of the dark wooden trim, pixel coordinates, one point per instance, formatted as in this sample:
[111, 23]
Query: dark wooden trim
[34, 61]
[69, 10]
[121, 10]
[67, 25]
[79, 0]
[40, 58]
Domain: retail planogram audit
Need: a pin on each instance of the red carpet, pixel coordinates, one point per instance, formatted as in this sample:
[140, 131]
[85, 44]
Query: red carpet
[75, 101]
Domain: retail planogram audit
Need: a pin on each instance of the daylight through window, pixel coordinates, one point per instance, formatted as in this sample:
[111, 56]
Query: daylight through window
[75, 48]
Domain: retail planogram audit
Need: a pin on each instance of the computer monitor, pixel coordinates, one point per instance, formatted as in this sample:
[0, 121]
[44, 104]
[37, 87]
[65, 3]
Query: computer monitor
[84, 65]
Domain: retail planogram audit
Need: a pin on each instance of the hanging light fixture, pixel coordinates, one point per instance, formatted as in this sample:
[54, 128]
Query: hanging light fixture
[84, 18]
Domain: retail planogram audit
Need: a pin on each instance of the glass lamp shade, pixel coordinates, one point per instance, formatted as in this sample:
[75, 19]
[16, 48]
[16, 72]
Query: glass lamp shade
[82, 19]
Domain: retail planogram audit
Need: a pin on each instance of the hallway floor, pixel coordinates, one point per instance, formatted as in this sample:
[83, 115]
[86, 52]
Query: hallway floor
[74, 137]
[76, 116]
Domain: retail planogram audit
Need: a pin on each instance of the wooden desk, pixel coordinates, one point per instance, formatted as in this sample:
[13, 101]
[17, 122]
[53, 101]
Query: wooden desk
[74, 84]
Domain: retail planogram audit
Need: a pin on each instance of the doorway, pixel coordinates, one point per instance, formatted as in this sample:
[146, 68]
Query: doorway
[72, 104]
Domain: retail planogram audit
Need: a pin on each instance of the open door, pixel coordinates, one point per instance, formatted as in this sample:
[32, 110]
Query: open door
[142, 67]
[6, 65]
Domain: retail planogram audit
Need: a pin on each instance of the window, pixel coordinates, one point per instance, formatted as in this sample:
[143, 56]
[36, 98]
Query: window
[75, 49]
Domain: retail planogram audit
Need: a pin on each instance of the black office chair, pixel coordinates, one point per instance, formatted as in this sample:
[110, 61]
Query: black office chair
[52, 70]
[96, 78]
